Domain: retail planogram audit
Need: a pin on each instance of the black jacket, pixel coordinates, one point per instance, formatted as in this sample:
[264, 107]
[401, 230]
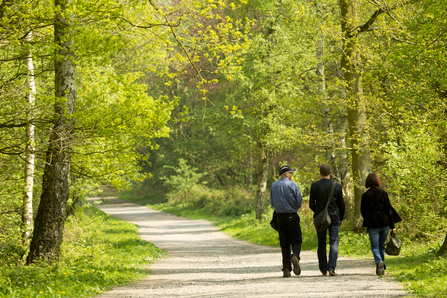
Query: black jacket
[376, 209]
[319, 194]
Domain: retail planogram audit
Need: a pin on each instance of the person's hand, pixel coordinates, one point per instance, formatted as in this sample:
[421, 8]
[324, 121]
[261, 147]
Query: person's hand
[394, 230]
[341, 223]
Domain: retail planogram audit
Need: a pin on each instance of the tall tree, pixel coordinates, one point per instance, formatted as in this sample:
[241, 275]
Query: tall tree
[27, 212]
[51, 214]
[352, 71]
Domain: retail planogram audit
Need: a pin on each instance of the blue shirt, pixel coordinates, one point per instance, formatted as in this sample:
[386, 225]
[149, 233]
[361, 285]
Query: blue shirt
[285, 196]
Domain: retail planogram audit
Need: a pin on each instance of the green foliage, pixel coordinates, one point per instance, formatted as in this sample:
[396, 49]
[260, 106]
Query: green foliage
[11, 247]
[417, 181]
[115, 117]
[433, 286]
[354, 244]
[214, 202]
[185, 177]
[422, 274]
[265, 79]
[98, 252]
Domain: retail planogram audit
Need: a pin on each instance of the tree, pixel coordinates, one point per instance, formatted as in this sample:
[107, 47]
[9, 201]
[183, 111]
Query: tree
[351, 65]
[51, 215]
[353, 70]
[413, 90]
[27, 213]
[19, 118]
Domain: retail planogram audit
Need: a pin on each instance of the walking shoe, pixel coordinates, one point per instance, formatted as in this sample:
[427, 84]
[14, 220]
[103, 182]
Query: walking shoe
[286, 273]
[332, 273]
[296, 265]
[380, 268]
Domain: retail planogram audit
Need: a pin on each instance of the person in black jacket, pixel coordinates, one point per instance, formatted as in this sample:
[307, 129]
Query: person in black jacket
[319, 194]
[377, 218]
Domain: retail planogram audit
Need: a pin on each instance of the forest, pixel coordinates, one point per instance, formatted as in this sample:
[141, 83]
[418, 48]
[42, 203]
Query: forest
[213, 96]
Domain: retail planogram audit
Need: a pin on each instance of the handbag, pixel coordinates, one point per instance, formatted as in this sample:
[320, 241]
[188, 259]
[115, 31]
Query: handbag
[322, 220]
[273, 221]
[393, 246]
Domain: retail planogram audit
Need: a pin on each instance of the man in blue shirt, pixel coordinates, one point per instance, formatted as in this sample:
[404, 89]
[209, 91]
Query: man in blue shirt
[286, 199]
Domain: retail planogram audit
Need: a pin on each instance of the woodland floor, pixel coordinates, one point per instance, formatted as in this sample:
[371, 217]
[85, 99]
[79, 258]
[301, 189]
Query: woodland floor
[204, 262]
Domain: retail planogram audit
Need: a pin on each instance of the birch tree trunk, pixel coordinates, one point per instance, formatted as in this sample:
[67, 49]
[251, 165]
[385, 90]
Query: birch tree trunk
[263, 170]
[351, 66]
[51, 215]
[27, 211]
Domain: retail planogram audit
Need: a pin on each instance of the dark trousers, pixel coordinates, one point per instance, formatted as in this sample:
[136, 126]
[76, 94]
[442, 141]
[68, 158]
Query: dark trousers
[289, 230]
[333, 248]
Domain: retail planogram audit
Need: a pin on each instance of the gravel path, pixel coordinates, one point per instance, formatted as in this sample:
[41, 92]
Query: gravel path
[204, 262]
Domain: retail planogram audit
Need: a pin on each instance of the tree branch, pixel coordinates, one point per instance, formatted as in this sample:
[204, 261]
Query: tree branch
[167, 24]
[367, 26]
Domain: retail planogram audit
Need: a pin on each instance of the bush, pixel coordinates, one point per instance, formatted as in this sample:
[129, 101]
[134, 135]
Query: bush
[234, 201]
[416, 183]
[11, 248]
[185, 178]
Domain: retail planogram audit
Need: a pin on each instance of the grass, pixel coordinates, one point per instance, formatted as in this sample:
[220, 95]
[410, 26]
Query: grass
[418, 269]
[98, 252]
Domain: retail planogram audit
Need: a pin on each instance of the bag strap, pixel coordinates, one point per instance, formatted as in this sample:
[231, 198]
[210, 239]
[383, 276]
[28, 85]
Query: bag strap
[330, 196]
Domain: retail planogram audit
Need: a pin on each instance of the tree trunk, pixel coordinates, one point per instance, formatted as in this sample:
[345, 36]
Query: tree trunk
[263, 170]
[51, 215]
[345, 178]
[27, 211]
[443, 250]
[351, 66]
[250, 172]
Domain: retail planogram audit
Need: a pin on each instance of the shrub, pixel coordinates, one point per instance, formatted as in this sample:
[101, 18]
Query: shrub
[417, 183]
[185, 177]
[234, 201]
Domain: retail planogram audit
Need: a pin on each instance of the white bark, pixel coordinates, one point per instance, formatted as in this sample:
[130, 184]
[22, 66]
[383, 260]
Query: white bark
[27, 213]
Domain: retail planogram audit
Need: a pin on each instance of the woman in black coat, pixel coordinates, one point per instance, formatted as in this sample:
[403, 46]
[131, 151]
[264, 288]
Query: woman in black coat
[378, 218]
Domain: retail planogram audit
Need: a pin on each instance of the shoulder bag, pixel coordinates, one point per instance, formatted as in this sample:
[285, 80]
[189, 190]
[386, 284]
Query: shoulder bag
[322, 220]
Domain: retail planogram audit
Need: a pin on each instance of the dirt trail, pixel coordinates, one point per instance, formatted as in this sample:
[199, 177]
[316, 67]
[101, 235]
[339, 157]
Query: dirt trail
[204, 262]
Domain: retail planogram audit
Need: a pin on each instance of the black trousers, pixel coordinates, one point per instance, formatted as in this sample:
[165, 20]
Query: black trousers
[290, 235]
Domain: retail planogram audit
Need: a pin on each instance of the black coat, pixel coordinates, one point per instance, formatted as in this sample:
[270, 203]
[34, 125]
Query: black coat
[319, 193]
[376, 209]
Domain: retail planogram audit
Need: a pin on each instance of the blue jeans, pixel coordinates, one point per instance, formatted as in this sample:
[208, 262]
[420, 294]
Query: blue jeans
[377, 237]
[333, 248]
